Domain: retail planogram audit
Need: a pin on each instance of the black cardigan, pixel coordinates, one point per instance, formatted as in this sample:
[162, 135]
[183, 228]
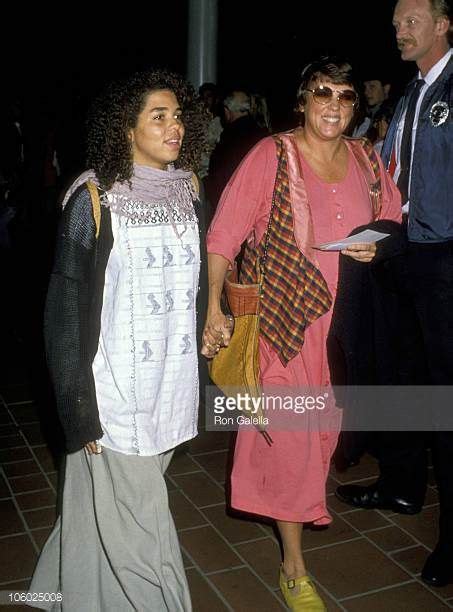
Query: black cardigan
[72, 317]
[366, 342]
[362, 335]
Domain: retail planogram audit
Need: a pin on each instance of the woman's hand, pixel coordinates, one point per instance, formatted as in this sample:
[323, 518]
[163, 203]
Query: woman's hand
[361, 251]
[218, 327]
[93, 448]
[217, 333]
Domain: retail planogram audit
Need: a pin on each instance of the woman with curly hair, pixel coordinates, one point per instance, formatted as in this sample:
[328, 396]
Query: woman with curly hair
[122, 325]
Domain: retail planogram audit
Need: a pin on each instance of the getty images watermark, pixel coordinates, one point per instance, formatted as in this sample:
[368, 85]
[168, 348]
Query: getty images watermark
[353, 408]
[228, 412]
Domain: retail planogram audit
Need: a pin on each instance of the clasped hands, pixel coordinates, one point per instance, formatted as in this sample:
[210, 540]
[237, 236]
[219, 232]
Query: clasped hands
[217, 333]
[219, 327]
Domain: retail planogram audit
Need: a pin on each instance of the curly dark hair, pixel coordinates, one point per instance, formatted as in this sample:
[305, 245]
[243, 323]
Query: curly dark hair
[115, 112]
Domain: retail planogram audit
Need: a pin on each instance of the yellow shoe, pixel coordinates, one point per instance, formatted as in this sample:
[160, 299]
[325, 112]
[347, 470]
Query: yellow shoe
[300, 594]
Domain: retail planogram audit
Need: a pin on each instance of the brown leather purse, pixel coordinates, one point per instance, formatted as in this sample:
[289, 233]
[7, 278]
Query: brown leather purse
[242, 299]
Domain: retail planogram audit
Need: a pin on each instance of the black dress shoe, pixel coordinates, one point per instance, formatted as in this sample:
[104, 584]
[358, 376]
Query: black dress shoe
[342, 464]
[371, 497]
[438, 569]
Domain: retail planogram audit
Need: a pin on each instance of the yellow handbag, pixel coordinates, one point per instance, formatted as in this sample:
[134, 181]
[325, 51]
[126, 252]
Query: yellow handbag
[237, 365]
[235, 368]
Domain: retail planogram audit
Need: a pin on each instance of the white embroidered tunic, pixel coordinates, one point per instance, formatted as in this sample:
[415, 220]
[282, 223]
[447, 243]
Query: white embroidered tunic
[146, 366]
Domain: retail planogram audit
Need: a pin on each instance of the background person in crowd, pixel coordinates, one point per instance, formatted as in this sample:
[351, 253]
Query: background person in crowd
[11, 170]
[328, 196]
[381, 121]
[259, 109]
[209, 93]
[375, 91]
[241, 132]
[11, 149]
[419, 153]
[122, 332]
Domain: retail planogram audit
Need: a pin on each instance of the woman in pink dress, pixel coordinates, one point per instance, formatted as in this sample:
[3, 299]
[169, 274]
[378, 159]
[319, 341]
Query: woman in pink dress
[315, 186]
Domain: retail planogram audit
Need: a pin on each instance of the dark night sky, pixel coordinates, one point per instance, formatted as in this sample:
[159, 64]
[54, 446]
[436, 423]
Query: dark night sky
[268, 48]
[261, 45]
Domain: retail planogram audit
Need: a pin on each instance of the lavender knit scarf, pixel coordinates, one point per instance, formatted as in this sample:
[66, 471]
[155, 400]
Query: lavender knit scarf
[171, 189]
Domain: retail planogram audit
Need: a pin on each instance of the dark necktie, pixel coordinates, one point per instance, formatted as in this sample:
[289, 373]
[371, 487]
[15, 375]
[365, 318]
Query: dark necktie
[406, 141]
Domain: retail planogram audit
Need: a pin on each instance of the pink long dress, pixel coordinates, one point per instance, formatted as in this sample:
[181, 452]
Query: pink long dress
[286, 481]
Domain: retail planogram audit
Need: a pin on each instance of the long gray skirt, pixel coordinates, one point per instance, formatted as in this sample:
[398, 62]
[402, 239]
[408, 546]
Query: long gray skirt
[115, 547]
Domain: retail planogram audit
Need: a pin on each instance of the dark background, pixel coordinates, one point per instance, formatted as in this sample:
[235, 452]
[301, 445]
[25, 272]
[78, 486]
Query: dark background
[52, 58]
[56, 59]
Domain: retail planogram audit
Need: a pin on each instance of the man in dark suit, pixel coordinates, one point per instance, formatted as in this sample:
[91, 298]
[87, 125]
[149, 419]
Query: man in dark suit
[418, 151]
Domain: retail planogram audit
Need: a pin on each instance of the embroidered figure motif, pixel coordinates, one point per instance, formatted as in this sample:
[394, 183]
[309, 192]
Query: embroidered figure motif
[150, 258]
[155, 306]
[439, 113]
[190, 254]
[186, 344]
[190, 300]
[168, 257]
[148, 351]
[169, 301]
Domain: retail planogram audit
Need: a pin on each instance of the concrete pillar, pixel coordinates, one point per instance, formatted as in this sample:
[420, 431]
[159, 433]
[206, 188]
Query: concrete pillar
[202, 42]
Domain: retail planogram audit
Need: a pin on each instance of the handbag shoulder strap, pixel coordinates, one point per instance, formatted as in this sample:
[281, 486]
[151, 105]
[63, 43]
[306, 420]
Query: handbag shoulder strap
[279, 145]
[96, 205]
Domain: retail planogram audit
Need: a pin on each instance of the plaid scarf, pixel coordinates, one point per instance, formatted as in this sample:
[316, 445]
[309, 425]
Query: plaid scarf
[294, 292]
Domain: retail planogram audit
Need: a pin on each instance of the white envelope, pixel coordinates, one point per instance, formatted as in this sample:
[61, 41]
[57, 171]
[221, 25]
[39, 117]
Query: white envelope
[367, 236]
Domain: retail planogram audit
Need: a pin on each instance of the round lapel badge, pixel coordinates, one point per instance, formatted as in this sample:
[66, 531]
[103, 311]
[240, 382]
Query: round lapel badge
[439, 113]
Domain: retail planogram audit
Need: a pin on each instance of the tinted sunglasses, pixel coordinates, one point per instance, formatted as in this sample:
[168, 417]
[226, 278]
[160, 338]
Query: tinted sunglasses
[324, 95]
